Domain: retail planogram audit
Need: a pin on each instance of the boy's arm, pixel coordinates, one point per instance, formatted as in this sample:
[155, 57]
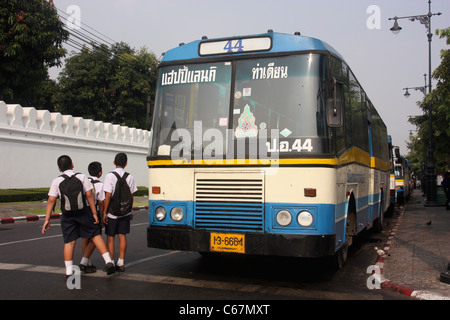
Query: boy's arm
[101, 204]
[91, 200]
[105, 207]
[50, 205]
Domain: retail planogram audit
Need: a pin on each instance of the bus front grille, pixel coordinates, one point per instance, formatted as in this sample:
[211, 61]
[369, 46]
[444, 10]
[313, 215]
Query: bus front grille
[229, 202]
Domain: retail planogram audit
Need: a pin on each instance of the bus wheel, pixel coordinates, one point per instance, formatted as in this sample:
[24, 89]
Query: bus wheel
[340, 257]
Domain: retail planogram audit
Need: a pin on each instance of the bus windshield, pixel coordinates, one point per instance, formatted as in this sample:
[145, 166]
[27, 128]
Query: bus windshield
[286, 94]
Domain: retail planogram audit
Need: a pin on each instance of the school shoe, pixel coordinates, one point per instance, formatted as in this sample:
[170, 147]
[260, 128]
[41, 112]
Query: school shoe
[88, 269]
[109, 268]
[120, 268]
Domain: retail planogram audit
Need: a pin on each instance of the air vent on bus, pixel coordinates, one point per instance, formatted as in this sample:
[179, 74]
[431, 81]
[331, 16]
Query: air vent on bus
[229, 202]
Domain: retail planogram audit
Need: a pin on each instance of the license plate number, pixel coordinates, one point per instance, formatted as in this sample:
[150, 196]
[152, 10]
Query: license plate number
[227, 242]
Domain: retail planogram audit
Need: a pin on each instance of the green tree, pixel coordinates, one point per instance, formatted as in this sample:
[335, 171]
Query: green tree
[439, 99]
[133, 81]
[83, 85]
[31, 37]
[108, 84]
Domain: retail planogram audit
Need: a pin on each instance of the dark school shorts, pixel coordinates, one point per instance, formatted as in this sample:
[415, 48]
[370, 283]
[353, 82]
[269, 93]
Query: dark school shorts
[99, 225]
[118, 226]
[79, 226]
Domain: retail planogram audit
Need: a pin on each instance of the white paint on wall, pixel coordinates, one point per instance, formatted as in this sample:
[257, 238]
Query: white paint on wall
[32, 140]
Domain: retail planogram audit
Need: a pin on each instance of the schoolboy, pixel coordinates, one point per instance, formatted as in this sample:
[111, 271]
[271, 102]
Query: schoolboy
[83, 224]
[115, 225]
[87, 246]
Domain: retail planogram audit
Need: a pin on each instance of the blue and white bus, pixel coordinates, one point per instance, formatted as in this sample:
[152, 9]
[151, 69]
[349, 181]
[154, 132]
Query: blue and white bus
[402, 171]
[393, 190]
[264, 145]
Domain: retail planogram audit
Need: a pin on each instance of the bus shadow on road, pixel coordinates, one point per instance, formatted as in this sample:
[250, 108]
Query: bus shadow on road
[268, 268]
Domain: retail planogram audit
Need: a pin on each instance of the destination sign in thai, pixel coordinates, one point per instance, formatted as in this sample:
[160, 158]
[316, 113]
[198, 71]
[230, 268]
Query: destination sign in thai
[235, 46]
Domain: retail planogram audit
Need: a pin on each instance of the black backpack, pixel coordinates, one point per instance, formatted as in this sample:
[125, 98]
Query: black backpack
[121, 202]
[73, 199]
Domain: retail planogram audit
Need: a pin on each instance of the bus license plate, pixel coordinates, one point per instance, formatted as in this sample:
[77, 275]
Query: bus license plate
[227, 242]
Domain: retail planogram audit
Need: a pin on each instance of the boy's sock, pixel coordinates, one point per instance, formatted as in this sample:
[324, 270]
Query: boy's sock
[120, 262]
[69, 265]
[107, 258]
[85, 261]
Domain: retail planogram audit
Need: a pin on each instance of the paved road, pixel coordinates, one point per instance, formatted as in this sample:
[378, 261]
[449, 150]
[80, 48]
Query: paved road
[31, 267]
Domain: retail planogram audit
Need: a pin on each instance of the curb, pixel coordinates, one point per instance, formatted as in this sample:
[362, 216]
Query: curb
[39, 217]
[28, 218]
[389, 285]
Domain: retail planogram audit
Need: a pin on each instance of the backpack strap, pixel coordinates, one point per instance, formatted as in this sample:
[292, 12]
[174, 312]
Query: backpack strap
[116, 174]
[93, 181]
[65, 176]
[125, 175]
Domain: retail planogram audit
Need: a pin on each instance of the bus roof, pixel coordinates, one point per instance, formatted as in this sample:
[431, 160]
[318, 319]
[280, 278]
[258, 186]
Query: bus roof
[279, 42]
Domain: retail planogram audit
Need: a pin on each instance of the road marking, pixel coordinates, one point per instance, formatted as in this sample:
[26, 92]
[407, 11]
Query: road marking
[150, 258]
[139, 224]
[28, 240]
[49, 237]
[198, 283]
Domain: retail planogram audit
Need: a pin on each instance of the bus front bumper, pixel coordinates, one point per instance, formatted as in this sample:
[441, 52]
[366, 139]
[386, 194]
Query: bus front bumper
[291, 245]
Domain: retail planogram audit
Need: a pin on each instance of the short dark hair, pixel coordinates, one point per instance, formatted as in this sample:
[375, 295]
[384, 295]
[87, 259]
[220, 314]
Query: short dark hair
[95, 168]
[64, 163]
[121, 159]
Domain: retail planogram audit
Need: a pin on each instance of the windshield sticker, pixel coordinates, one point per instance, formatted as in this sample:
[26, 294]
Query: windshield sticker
[237, 95]
[270, 72]
[247, 126]
[236, 111]
[286, 132]
[184, 75]
[247, 92]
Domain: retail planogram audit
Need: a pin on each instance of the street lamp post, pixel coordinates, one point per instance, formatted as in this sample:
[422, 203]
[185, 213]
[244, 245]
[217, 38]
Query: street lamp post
[422, 89]
[431, 176]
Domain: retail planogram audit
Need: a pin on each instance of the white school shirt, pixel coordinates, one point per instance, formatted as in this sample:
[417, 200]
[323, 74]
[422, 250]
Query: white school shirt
[54, 187]
[99, 193]
[110, 183]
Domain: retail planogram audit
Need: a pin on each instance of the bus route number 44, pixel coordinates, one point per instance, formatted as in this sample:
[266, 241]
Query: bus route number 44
[299, 145]
[235, 46]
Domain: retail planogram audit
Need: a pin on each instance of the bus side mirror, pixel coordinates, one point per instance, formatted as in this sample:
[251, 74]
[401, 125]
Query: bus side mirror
[334, 112]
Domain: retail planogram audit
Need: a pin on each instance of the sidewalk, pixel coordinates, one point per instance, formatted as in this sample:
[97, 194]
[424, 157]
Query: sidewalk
[418, 251]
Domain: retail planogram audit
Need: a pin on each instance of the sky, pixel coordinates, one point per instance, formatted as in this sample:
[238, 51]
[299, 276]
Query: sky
[383, 63]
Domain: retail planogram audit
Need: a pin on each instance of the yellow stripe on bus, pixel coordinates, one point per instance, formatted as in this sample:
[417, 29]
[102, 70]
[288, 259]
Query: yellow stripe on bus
[352, 156]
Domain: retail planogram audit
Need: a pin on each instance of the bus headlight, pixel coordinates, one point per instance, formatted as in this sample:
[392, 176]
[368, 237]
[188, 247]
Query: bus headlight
[305, 218]
[160, 213]
[284, 218]
[176, 214]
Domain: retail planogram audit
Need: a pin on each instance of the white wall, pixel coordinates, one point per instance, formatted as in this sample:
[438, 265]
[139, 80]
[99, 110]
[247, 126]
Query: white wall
[32, 140]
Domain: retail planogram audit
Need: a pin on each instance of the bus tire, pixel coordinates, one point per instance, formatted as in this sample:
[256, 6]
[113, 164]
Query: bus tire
[340, 257]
